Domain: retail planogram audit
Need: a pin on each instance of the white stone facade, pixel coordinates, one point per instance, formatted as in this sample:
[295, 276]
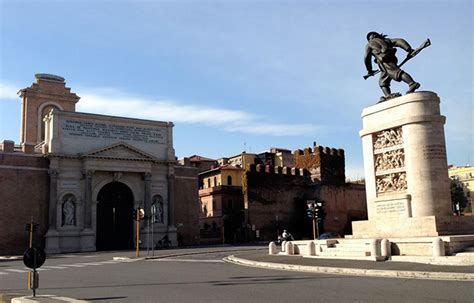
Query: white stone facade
[88, 152]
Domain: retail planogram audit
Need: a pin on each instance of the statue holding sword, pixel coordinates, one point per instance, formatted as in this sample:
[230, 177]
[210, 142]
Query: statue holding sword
[383, 49]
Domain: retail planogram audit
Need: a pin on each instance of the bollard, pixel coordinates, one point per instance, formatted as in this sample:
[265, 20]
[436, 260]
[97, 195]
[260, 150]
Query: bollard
[311, 248]
[272, 248]
[386, 250]
[438, 247]
[283, 246]
[289, 249]
[375, 248]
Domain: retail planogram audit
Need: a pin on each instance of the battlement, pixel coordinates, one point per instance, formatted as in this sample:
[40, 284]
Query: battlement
[338, 152]
[277, 170]
[325, 164]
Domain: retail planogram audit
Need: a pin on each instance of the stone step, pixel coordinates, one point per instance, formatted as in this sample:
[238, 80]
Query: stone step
[348, 249]
[344, 254]
[465, 254]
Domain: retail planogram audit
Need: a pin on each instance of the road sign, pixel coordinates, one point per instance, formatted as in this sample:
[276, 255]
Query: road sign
[34, 257]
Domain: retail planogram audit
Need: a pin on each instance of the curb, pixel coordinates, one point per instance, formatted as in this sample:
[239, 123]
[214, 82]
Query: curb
[199, 253]
[447, 276]
[45, 298]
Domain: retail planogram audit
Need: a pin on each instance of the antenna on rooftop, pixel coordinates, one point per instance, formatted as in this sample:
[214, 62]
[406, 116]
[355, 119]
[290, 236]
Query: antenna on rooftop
[245, 147]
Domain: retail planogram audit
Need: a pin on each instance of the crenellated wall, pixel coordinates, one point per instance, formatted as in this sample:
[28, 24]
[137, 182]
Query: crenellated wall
[275, 198]
[326, 165]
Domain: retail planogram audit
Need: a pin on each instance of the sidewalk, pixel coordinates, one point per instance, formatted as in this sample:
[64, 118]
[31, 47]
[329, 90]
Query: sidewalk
[386, 269]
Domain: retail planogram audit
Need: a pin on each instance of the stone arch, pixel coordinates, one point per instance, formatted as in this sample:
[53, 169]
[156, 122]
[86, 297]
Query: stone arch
[43, 110]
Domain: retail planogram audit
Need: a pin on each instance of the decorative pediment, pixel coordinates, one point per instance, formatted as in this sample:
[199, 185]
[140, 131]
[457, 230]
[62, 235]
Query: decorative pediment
[120, 151]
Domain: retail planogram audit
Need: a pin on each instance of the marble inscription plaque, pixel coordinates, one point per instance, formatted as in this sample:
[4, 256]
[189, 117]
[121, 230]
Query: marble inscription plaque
[391, 207]
[100, 130]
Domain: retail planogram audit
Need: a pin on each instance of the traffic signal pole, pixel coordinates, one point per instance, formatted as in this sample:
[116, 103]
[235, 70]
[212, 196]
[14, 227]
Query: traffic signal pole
[314, 228]
[137, 254]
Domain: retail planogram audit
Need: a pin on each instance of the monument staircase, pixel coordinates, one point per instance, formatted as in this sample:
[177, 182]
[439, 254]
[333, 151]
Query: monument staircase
[334, 248]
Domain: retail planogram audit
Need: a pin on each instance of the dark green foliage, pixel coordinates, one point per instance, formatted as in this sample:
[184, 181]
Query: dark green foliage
[457, 195]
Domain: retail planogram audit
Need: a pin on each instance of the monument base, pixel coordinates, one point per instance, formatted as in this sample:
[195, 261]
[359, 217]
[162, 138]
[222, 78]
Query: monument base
[430, 226]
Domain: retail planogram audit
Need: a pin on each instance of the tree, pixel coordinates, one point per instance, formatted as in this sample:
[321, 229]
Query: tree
[457, 195]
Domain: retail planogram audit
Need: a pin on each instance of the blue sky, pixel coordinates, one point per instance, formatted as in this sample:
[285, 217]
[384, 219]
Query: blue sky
[235, 75]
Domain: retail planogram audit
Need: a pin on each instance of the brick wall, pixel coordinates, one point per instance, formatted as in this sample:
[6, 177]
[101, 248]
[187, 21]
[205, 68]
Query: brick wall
[326, 165]
[24, 192]
[343, 204]
[187, 204]
[275, 199]
[270, 192]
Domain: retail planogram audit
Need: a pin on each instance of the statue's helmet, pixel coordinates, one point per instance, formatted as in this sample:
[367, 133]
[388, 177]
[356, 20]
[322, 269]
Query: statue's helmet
[372, 33]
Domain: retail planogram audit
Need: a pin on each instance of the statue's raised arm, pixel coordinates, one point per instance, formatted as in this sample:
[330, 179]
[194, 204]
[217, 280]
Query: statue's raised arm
[383, 50]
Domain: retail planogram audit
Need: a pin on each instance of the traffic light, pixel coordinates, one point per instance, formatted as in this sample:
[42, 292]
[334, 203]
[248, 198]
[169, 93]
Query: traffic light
[320, 212]
[310, 212]
[138, 214]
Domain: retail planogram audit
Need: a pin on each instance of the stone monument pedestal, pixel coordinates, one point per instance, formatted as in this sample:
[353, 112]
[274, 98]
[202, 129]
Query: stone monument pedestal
[406, 171]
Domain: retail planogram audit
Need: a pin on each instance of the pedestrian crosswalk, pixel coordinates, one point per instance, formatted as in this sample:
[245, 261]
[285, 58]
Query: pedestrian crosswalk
[6, 271]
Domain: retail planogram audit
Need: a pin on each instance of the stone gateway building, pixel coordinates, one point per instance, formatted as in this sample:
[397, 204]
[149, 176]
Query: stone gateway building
[88, 173]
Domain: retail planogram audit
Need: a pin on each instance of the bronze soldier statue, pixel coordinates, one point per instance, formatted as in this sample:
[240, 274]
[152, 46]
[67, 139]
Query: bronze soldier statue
[383, 50]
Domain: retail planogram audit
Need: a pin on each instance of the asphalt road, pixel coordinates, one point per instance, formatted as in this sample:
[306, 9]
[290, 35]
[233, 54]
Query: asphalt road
[206, 278]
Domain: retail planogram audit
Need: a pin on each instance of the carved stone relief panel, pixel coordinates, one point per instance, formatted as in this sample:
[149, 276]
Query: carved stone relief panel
[388, 138]
[389, 161]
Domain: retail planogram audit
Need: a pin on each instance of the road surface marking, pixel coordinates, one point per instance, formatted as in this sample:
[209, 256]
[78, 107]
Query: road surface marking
[54, 267]
[72, 265]
[189, 260]
[17, 270]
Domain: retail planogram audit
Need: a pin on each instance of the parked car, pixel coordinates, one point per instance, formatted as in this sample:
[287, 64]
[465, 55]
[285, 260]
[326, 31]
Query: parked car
[329, 235]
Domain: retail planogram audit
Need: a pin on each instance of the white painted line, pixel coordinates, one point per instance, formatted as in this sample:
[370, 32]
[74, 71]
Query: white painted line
[54, 267]
[108, 262]
[3, 273]
[17, 270]
[93, 263]
[72, 265]
[64, 299]
[43, 269]
[189, 260]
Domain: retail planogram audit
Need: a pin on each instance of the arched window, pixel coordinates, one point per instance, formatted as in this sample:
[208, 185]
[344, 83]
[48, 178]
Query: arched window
[229, 180]
[209, 183]
[215, 181]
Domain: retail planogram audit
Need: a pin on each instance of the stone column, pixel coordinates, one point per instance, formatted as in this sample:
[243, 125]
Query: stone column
[53, 198]
[147, 199]
[88, 200]
[171, 189]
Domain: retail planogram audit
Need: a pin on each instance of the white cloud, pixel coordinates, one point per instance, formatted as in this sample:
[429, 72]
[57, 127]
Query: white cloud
[113, 102]
[8, 91]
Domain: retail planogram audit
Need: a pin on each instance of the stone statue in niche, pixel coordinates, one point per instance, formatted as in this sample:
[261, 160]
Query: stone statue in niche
[391, 182]
[69, 211]
[388, 138]
[390, 160]
[157, 209]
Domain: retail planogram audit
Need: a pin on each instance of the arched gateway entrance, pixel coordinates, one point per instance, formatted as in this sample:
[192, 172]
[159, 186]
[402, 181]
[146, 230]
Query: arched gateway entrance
[114, 217]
